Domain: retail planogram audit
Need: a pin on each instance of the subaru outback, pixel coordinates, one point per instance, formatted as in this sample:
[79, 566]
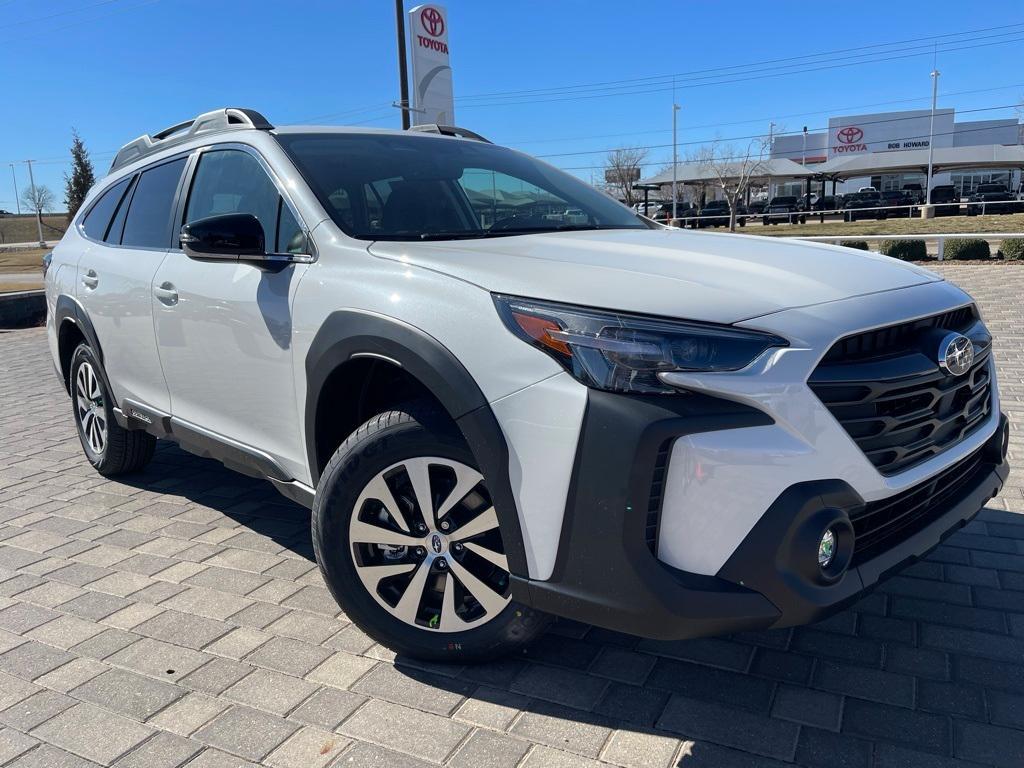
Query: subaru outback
[498, 413]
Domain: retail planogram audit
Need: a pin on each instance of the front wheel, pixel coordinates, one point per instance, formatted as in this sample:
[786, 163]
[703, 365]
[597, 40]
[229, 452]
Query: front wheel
[407, 539]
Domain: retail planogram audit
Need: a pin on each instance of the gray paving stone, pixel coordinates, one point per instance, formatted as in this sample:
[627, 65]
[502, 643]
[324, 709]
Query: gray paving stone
[22, 617]
[412, 688]
[270, 691]
[308, 748]
[215, 758]
[328, 707]
[32, 660]
[93, 733]
[193, 632]
[46, 756]
[485, 749]
[65, 632]
[807, 706]
[561, 686]
[165, 750]
[246, 732]
[217, 675]
[129, 694]
[633, 749]
[562, 728]
[95, 605]
[14, 689]
[106, 643]
[13, 744]
[405, 730]
[37, 709]
[730, 727]
[189, 713]
[363, 755]
[158, 659]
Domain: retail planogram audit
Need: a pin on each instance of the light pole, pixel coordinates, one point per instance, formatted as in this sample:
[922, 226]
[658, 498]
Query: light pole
[771, 146]
[403, 75]
[931, 137]
[807, 179]
[14, 178]
[675, 160]
[35, 204]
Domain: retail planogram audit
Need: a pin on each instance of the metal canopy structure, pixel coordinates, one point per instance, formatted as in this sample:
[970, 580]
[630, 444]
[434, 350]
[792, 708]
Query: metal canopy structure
[943, 159]
[694, 173]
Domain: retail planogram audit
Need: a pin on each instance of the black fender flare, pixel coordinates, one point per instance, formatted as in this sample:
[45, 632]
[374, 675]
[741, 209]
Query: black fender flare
[69, 310]
[353, 333]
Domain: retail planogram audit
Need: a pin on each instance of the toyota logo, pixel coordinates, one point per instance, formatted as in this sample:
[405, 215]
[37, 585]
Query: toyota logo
[956, 354]
[432, 21]
[850, 135]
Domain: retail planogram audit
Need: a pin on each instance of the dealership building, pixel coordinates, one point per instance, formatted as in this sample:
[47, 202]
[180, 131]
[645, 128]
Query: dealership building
[888, 139]
[886, 150]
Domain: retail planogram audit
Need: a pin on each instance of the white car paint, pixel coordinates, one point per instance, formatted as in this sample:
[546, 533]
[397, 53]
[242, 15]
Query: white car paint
[238, 365]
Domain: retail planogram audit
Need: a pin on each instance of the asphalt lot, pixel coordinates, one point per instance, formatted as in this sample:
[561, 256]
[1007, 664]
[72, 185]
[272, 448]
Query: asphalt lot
[177, 618]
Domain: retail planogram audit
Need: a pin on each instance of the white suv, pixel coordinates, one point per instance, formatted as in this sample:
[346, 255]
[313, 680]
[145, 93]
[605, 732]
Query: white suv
[499, 413]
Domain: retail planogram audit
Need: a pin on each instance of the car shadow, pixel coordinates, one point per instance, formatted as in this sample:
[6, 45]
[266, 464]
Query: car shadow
[762, 699]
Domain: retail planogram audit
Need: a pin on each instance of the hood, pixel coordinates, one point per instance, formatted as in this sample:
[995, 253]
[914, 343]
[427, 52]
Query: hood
[722, 278]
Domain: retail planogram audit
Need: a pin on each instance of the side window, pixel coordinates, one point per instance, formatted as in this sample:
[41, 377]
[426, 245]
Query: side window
[117, 225]
[98, 218]
[232, 181]
[148, 224]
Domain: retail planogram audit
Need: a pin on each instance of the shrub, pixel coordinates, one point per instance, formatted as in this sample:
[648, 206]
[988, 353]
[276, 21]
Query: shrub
[967, 249]
[860, 245]
[1012, 248]
[906, 250]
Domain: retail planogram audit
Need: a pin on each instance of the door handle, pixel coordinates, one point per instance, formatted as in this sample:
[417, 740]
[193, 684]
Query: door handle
[90, 279]
[166, 293]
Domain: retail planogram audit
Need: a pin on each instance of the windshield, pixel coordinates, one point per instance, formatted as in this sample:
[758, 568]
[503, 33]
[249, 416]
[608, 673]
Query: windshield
[388, 187]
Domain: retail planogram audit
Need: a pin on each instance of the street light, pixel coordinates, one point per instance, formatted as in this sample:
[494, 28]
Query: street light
[931, 138]
[14, 178]
[675, 160]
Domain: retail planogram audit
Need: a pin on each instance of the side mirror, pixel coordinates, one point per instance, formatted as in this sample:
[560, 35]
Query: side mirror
[231, 237]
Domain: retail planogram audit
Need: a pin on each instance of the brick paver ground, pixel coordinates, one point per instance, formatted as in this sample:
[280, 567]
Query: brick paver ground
[176, 618]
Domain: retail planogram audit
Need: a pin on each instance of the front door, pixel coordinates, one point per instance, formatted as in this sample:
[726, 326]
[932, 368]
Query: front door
[224, 330]
[116, 278]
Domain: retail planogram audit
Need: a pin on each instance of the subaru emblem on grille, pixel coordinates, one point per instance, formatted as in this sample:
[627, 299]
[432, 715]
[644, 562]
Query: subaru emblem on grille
[956, 354]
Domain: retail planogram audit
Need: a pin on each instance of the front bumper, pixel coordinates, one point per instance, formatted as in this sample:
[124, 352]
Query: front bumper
[607, 572]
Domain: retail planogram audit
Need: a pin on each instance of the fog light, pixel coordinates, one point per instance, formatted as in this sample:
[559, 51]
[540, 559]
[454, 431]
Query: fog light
[826, 549]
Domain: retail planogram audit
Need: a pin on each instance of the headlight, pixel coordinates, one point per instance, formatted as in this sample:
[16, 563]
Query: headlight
[625, 353]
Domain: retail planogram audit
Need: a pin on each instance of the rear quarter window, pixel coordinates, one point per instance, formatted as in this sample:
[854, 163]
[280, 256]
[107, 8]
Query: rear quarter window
[97, 219]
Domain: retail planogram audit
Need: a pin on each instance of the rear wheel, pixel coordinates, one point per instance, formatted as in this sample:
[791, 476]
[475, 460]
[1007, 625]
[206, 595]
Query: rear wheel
[111, 449]
[408, 541]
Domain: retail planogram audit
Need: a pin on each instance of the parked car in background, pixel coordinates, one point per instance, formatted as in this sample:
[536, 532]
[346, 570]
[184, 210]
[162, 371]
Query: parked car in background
[862, 205]
[826, 203]
[786, 209]
[757, 206]
[895, 205]
[684, 211]
[715, 213]
[5, 213]
[802, 203]
[991, 198]
[867, 189]
[915, 192]
[945, 200]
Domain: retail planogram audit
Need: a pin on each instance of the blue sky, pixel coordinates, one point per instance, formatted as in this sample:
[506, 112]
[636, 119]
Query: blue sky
[117, 68]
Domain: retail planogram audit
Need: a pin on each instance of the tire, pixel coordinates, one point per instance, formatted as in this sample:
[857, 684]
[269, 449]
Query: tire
[381, 458]
[111, 449]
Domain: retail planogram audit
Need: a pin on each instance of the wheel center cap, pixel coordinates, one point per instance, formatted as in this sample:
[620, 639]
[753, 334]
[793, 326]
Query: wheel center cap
[437, 543]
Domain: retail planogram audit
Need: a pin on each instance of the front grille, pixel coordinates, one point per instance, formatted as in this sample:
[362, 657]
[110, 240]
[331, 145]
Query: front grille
[887, 391]
[883, 524]
[656, 495]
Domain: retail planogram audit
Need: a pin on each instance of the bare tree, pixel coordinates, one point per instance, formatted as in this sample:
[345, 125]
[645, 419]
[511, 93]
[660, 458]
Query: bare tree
[731, 169]
[622, 170]
[38, 199]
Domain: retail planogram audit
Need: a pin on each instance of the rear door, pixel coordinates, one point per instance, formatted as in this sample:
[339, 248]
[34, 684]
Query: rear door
[116, 283]
[224, 330]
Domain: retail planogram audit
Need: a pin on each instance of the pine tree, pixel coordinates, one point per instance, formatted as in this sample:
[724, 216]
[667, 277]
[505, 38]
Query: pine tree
[77, 185]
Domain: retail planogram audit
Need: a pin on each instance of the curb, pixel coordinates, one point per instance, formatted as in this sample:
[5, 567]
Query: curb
[22, 309]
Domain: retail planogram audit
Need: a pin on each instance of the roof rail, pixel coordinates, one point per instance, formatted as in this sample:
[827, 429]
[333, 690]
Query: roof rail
[209, 122]
[449, 130]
